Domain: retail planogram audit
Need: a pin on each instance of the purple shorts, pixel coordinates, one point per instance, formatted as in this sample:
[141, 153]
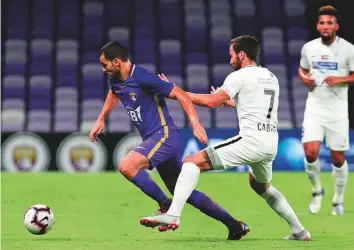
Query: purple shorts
[160, 150]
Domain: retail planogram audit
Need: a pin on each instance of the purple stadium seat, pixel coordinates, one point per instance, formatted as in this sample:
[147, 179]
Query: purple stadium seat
[13, 103]
[196, 35]
[42, 19]
[91, 56]
[273, 58]
[14, 92]
[295, 13]
[220, 72]
[41, 104]
[12, 120]
[93, 13]
[149, 66]
[15, 63]
[41, 57]
[204, 116]
[273, 7]
[119, 12]
[298, 33]
[220, 51]
[170, 20]
[66, 69]
[39, 121]
[198, 84]
[67, 45]
[170, 57]
[16, 14]
[65, 126]
[196, 58]
[120, 34]
[92, 81]
[92, 37]
[66, 80]
[144, 52]
[68, 12]
[16, 45]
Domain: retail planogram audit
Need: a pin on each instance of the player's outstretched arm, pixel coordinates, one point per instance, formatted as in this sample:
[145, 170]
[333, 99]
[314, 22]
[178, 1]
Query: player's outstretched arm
[229, 103]
[188, 107]
[334, 80]
[305, 77]
[213, 100]
[110, 102]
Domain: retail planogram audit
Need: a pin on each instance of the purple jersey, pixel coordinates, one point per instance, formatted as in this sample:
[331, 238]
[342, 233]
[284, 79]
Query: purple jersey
[143, 96]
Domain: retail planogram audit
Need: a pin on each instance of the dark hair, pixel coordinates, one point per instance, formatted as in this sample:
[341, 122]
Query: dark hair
[247, 44]
[328, 10]
[115, 50]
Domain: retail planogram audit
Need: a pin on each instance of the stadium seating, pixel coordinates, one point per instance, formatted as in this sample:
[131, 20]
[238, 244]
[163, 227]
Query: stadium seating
[53, 82]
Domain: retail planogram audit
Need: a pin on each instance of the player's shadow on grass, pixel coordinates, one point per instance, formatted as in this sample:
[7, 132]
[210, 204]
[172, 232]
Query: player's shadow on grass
[206, 239]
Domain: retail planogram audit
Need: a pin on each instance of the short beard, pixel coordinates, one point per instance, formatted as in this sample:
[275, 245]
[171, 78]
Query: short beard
[326, 39]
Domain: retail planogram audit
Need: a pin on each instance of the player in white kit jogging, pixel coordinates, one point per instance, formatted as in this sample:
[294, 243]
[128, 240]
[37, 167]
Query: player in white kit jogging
[326, 68]
[254, 91]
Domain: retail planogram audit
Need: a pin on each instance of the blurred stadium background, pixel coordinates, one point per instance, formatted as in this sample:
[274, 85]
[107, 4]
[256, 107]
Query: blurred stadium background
[53, 89]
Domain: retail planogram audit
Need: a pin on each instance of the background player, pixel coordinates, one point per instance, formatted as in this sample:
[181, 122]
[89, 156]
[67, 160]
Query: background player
[255, 91]
[326, 68]
[142, 94]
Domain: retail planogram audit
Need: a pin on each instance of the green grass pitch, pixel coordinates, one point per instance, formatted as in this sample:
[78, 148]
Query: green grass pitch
[102, 212]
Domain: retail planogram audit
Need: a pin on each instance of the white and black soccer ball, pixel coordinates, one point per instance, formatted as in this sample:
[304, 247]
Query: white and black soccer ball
[39, 219]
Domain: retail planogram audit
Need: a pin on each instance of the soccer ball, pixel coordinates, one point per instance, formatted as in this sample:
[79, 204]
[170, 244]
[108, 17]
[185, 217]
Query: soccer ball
[39, 219]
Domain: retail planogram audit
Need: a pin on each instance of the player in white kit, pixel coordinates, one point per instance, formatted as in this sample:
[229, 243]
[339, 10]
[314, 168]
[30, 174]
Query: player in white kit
[326, 68]
[254, 91]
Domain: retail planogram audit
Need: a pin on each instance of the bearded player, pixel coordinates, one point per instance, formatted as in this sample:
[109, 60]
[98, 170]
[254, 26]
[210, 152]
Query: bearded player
[326, 68]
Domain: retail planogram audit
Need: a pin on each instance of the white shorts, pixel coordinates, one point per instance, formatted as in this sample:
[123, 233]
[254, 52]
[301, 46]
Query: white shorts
[336, 133]
[240, 151]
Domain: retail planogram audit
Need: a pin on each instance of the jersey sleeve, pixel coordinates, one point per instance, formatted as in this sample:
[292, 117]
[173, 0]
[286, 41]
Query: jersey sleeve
[304, 63]
[152, 84]
[351, 59]
[232, 84]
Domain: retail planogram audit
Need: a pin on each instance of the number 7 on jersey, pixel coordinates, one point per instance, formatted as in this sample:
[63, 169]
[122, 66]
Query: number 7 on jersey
[270, 92]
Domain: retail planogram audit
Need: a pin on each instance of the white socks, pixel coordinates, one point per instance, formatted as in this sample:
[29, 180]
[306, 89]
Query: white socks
[313, 171]
[185, 185]
[281, 206]
[340, 177]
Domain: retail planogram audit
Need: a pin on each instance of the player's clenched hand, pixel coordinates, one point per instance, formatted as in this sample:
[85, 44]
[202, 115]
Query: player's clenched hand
[200, 134]
[306, 79]
[97, 129]
[163, 77]
[332, 80]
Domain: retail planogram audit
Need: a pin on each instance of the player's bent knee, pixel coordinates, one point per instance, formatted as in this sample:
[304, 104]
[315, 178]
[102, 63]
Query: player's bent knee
[311, 155]
[126, 171]
[311, 151]
[191, 159]
[259, 188]
[123, 169]
[201, 160]
[338, 159]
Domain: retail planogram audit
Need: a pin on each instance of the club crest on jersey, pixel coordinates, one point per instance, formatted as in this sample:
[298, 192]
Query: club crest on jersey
[132, 96]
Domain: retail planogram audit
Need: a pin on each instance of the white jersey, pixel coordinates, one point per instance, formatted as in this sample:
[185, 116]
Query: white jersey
[256, 93]
[337, 59]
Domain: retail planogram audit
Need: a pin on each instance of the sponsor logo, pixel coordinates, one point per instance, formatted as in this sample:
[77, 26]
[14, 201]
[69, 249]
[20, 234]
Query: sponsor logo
[325, 65]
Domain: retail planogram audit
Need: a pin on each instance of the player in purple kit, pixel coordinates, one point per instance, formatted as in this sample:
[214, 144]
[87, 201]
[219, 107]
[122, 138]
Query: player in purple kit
[142, 94]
